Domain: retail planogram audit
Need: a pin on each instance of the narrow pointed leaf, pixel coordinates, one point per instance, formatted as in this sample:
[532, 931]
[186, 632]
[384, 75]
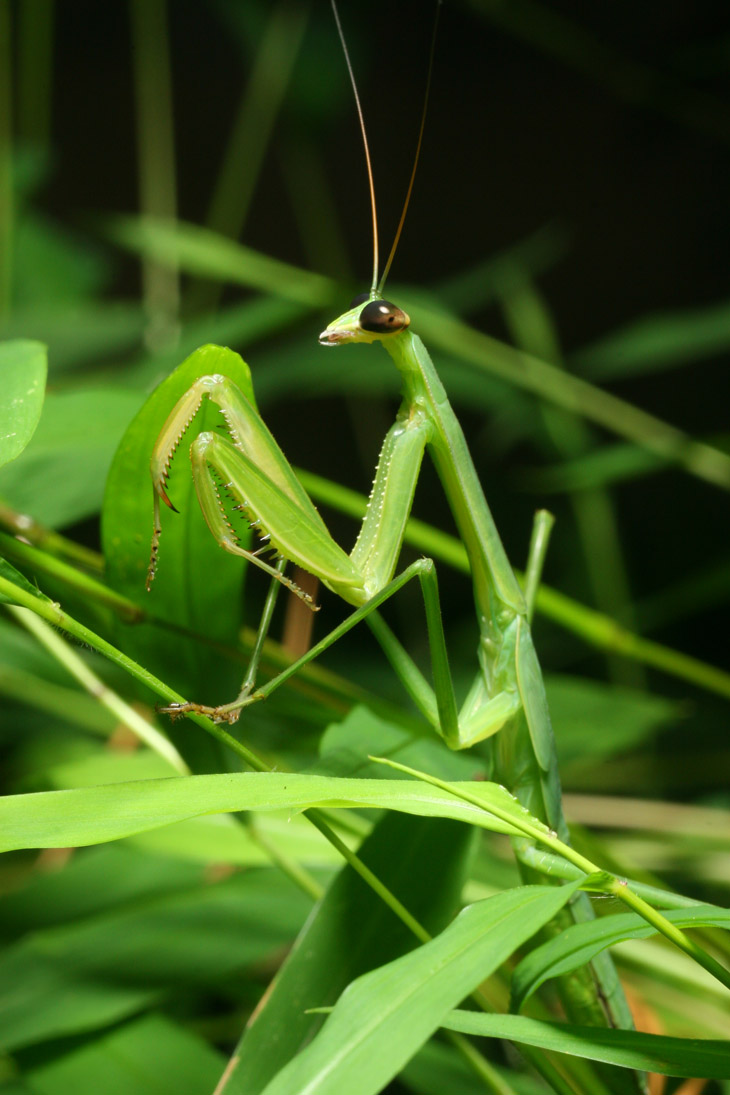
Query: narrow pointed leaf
[350, 932]
[92, 815]
[385, 1016]
[691, 1057]
[582, 942]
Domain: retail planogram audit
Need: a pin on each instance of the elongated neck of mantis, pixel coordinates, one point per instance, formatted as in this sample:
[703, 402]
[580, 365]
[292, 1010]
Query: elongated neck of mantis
[496, 589]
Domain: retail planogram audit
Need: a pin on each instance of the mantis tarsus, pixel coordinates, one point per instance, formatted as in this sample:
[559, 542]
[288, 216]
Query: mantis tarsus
[507, 697]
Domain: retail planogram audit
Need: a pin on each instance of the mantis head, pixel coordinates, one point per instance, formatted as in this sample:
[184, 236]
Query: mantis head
[368, 318]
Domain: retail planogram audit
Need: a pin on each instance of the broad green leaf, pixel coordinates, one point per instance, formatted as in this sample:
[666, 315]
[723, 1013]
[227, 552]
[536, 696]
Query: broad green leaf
[92, 815]
[385, 1016]
[580, 943]
[60, 477]
[197, 585]
[353, 931]
[101, 968]
[691, 1057]
[150, 1056]
[23, 368]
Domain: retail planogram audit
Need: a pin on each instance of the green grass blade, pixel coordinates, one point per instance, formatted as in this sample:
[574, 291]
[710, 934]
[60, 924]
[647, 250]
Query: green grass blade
[330, 952]
[207, 254]
[581, 942]
[91, 815]
[657, 342]
[690, 1057]
[385, 1016]
[456, 338]
[13, 578]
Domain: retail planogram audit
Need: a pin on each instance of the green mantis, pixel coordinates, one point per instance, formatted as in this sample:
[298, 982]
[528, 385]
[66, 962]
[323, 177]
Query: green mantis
[246, 464]
[249, 466]
[506, 701]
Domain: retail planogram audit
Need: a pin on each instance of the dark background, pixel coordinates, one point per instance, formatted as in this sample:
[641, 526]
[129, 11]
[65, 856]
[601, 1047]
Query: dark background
[624, 140]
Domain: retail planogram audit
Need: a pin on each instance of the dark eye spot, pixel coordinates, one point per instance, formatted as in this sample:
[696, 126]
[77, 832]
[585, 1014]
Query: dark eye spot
[382, 318]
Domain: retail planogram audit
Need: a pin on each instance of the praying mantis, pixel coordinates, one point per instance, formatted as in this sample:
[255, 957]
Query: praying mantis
[506, 701]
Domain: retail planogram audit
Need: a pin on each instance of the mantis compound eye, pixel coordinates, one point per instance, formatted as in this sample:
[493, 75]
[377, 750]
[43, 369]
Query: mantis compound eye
[383, 318]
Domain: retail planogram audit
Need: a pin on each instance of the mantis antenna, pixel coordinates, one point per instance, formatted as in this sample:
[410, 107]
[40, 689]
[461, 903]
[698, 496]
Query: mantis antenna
[376, 287]
[371, 182]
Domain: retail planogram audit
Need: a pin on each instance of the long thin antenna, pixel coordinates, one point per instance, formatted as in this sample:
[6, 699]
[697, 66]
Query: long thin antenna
[374, 285]
[401, 222]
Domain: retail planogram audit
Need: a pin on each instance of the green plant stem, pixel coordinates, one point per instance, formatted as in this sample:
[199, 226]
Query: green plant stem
[369, 878]
[670, 931]
[288, 866]
[46, 563]
[35, 71]
[21, 524]
[250, 136]
[615, 886]
[69, 659]
[483, 1068]
[156, 160]
[557, 867]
